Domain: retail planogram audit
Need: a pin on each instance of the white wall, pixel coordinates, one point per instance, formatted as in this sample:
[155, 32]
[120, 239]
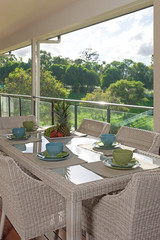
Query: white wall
[156, 66]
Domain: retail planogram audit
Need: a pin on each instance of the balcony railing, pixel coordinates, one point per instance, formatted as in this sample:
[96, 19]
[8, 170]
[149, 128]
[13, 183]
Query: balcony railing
[116, 114]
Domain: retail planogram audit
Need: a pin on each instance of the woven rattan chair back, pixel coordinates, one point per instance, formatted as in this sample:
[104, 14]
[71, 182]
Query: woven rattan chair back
[32, 207]
[15, 121]
[137, 138]
[132, 214]
[93, 127]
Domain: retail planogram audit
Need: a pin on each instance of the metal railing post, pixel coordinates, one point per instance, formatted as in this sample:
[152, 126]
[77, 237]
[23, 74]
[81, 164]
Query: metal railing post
[34, 106]
[75, 114]
[20, 107]
[9, 106]
[52, 110]
[108, 114]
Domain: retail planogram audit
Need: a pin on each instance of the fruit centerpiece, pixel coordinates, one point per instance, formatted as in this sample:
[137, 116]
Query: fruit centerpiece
[62, 115]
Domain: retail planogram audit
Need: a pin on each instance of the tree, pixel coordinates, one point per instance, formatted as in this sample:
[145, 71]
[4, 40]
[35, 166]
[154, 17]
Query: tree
[50, 87]
[99, 95]
[129, 92]
[78, 77]
[62, 61]
[111, 75]
[143, 73]
[46, 59]
[4, 59]
[92, 80]
[19, 82]
[58, 70]
[6, 69]
[89, 55]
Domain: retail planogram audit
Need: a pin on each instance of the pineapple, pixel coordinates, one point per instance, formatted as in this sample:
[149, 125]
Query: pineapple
[62, 115]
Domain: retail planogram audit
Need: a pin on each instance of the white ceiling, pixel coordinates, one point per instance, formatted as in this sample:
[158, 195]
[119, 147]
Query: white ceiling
[16, 15]
[23, 20]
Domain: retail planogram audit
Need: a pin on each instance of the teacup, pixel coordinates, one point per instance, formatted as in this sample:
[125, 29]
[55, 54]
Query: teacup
[122, 156]
[108, 139]
[19, 132]
[54, 148]
[28, 125]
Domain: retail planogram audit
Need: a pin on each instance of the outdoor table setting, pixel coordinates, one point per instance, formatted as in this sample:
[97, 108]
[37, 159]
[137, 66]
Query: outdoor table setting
[78, 171]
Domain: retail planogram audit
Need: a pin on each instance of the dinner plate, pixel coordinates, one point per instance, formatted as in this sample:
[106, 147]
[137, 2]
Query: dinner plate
[42, 156]
[12, 137]
[109, 162]
[100, 145]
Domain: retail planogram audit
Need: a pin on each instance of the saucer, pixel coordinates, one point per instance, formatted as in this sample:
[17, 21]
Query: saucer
[32, 130]
[45, 156]
[109, 162]
[12, 137]
[100, 145]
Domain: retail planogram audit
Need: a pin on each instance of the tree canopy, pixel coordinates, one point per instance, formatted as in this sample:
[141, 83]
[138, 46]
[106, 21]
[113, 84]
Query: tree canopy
[19, 82]
[120, 81]
[129, 92]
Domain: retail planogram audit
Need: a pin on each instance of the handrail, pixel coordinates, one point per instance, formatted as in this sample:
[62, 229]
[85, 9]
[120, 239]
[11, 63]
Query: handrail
[81, 101]
[73, 101]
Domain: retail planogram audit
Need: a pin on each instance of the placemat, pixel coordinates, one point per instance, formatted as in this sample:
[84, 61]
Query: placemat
[29, 140]
[71, 160]
[101, 169]
[106, 152]
[79, 134]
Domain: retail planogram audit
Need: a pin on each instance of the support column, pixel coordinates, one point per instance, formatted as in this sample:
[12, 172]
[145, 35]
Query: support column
[156, 66]
[33, 90]
[35, 79]
[35, 101]
[38, 83]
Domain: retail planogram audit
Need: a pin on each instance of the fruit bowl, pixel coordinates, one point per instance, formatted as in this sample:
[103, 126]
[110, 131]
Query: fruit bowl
[54, 133]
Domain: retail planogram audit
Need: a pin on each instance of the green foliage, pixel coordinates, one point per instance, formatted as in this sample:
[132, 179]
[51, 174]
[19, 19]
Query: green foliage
[62, 61]
[18, 82]
[96, 95]
[143, 73]
[114, 129]
[78, 77]
[46, 59]
[6, 69]
[50, 87]
[58, 71]
[62, 113]
[111, 75]
[129, 92]
[77, 96]
[99, 95]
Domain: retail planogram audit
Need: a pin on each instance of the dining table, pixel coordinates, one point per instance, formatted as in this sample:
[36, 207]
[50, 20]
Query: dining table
[84, 173]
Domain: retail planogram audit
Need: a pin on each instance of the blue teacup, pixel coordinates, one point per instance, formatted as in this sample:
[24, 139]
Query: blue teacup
[108, 139]
[19, 132]
[54, 148]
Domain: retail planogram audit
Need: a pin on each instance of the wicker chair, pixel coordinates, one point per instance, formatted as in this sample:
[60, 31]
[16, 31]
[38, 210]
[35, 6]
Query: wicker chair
[137, 138]
[32, 207]
[132, 214]
[155, 147]
[93, 127]
[7, 123]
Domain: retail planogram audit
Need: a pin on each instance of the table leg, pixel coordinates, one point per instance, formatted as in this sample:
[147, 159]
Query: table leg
[73, 220]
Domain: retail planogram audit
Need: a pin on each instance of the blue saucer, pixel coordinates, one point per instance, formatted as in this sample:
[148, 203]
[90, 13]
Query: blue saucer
[42, 156]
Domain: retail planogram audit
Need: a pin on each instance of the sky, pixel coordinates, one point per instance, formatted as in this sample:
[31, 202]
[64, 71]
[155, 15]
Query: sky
[126, 37]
